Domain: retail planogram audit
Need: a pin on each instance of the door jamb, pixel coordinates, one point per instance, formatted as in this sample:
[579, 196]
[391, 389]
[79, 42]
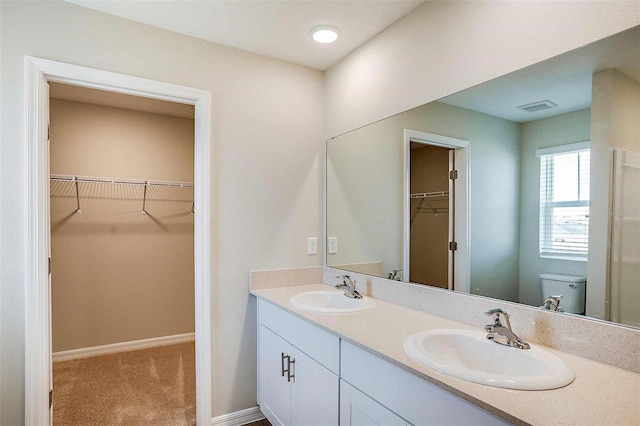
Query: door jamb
[37, 363]
[461, 148]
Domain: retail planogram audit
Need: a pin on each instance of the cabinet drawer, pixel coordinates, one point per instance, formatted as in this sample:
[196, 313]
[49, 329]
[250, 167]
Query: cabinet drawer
[416, 400]
[319, 344]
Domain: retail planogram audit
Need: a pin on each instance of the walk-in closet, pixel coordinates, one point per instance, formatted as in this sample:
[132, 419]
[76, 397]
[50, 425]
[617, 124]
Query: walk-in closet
[430, 214]
[122, 259]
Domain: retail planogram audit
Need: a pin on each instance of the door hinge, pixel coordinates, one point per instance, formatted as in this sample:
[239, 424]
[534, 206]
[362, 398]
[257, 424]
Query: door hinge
[49, 266]
[453, 174]
[50, 397]
[453, 246]
[48, 132]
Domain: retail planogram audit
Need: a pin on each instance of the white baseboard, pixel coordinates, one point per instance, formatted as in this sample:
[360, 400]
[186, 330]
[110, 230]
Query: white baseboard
[239, 418]
[122, 347]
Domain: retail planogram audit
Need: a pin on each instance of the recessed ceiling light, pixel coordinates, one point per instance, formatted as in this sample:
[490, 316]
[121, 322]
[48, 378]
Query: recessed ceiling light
[324, 34]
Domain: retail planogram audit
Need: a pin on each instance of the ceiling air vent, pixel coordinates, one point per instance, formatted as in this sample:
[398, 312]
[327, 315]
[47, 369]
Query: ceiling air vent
[538, 106]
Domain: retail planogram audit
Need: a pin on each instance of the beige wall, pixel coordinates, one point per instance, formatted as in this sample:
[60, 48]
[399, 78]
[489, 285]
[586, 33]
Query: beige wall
[429, 235]
[443, 47]
[267, 139]
[265, 113]
[118, 276]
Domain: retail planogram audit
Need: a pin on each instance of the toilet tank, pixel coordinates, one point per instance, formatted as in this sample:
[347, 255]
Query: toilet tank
[571, 288]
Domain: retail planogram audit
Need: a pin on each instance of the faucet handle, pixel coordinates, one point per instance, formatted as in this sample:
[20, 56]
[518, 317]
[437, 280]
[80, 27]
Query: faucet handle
[552, 303]
[346, 281]
[497, 312]
[496, 320]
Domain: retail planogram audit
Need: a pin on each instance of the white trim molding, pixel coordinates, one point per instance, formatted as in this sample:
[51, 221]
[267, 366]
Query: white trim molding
[562, 149]
[113, 348]
[38, 72]
[239, 418]
[461, 270]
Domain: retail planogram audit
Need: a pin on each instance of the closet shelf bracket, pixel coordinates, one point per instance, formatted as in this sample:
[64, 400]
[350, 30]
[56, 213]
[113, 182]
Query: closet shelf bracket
[144, 199]
[78, 210]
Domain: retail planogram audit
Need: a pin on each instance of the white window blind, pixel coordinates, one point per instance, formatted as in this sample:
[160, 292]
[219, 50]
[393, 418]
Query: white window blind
[564, 201]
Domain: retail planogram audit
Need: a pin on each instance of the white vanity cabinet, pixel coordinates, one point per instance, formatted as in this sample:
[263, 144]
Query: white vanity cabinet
[275, 385]
[416, 400]
[298, 370]
[308, 376]
[357, 409]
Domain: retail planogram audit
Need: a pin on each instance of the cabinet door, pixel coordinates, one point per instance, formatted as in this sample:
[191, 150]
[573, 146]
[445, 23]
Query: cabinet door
[315, 393]
[420, 402]
[357, 409]
[275, 390]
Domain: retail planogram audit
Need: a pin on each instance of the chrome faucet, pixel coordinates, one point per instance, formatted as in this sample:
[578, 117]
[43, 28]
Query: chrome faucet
[552, 303]
[349, 287]
[395, 274]
[502, 333]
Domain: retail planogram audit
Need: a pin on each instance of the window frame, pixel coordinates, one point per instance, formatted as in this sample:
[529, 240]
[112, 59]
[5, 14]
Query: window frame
[546, 206]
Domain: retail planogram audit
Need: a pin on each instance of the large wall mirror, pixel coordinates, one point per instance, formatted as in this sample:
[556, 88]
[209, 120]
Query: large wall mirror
[523, 188]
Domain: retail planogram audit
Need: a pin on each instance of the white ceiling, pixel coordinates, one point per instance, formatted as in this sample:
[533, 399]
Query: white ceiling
[279, 29]
[564, 80]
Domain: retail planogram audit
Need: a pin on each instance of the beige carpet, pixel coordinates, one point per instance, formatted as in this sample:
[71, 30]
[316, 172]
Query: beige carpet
[147, 387]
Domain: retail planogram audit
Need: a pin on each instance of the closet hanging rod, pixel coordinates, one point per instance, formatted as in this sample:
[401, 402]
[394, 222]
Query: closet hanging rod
[430, 194]
[433, 210]
[120, 181]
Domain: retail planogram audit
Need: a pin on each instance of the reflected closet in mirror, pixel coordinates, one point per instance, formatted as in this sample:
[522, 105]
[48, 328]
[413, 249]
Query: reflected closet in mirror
[548, 202]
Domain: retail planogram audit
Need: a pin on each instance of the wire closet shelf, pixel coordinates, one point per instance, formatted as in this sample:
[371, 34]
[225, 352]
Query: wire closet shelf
[167, 190]
[433, 201]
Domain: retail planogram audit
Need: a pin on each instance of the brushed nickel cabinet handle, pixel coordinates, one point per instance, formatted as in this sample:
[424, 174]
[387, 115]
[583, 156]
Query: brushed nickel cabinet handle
[289, 375]
[282, 369]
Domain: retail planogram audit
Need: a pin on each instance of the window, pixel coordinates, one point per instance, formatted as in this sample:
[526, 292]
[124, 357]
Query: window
[564, 201]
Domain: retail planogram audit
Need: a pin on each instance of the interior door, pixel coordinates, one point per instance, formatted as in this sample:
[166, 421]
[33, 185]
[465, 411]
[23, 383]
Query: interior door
[452, 219]
[47, 235]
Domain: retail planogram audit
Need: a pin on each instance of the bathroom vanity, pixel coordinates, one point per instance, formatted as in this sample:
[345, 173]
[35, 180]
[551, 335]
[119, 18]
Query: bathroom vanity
[397, 202]
[309, 376]
[348, 369]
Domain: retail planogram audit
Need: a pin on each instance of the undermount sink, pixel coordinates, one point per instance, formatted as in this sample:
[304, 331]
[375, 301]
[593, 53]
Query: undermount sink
[331, 302]
[469, 355]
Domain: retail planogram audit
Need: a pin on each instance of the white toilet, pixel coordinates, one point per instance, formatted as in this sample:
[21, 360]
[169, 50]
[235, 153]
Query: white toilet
[570, 287]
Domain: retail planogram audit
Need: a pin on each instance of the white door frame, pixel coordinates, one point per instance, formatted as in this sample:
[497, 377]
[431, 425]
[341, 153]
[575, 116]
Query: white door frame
[461, 200]
[37, 320]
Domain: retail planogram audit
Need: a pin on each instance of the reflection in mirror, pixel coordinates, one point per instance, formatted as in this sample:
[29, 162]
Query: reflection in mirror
[545, 207]
[430, 215]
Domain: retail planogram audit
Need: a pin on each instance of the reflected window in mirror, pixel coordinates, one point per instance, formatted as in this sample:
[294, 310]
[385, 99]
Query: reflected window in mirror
[564, 201]
[528, 217]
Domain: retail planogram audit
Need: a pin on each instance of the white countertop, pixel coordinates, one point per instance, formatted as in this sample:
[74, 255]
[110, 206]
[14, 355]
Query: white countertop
[600, 395]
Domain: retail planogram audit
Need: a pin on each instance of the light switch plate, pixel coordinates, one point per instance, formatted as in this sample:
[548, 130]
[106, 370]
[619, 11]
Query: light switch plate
[332, 245]
[312, 245]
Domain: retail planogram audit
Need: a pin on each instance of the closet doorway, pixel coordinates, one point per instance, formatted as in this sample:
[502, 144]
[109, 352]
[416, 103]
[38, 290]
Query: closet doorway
[40, 73]
[436, 210]
[431, 224]
[122, 250]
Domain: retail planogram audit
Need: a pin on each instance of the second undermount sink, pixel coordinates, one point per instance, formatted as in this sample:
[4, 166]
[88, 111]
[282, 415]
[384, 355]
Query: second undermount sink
[330, 301]
[469, 355]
